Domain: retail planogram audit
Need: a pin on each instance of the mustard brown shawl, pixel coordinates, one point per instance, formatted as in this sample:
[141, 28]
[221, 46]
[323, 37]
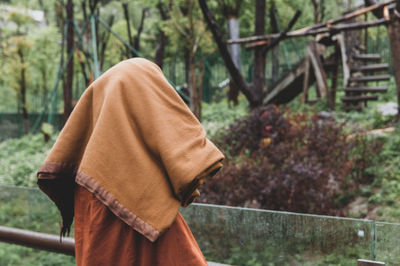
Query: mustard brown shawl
[134, 143]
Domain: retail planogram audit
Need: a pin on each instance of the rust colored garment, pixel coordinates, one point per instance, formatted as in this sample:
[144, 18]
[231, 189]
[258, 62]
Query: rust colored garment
[135, 145]
[101, 238]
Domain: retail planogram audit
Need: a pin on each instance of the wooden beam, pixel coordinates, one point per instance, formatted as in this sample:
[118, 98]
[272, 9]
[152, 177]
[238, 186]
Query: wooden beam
[334, 77]
[346, 27]
[285, 82]
[394, 37]
[259, 43]
[354, 14]
[282, 35]
[310, 30]
[332, 30]
[318, 68]
[346, 68]
[306, 81]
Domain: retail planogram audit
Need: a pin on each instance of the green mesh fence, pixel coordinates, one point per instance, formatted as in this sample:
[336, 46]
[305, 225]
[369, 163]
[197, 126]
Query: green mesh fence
[379, 43]
[12, 125]
[236, 236]
[279, 62]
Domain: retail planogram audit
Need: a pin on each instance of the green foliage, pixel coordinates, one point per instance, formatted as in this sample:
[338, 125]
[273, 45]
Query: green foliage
[47, 129]
[216, 117]
[14, 255]
[389, 174]
[44, 59]
[21, 158]
[29, 209]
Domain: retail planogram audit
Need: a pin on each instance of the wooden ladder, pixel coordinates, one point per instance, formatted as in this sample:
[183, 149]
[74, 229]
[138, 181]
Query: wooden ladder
[365, 69]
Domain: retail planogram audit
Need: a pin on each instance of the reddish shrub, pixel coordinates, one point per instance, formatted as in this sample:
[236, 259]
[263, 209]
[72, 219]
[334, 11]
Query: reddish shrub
[292, 162]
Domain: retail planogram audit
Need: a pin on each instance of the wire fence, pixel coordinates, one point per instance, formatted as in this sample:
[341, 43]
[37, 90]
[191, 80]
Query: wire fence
[215, 80]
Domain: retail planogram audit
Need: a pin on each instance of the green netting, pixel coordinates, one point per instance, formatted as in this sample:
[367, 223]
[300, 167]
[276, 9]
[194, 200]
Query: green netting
[289, 53]
[238, 236]
[12, 124]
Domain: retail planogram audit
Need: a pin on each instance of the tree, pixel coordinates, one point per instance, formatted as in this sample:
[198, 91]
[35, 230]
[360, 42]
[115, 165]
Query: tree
[69, 9]
[255, 90]
[319, 10]
[44, 59]
[394, 36]
[18, 49]
[187, 28]
[160, 49]
[231, 9]
[133, 41]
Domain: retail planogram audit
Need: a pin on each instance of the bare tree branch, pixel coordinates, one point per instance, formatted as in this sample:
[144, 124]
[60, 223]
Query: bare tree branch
[140, 29]
[233, 71]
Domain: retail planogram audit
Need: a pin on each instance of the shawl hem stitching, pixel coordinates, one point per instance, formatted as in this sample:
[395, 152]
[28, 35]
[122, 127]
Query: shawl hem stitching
[116, 207]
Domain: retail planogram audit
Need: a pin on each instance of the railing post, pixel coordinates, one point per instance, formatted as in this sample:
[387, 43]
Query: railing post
[372, 244]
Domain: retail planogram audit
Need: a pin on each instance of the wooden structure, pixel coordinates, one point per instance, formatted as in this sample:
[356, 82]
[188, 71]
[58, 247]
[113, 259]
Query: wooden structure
[370, 263]
[359, 69]
[312, 69]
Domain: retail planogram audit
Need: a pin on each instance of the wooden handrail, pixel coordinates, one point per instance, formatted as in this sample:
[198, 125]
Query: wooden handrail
[31, 239]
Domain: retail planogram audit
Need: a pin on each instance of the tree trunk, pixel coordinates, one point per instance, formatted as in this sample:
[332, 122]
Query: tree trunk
[136, 44]
[195, 100]
[259, 54]
[233, 29]
[70, 67]
[128, 28]
[44, 86]
[187, 68]
[377, 12]
[105, 36]
[316, 10]
[235, 74]
[83, 68]
[394, 35]
[159, 56]
[23, 90]
[275, 51]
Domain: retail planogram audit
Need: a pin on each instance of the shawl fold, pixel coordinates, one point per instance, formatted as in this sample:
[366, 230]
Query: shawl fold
[134, 143]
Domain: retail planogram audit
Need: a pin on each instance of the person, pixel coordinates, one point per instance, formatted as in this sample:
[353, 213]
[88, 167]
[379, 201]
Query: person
[130, 155]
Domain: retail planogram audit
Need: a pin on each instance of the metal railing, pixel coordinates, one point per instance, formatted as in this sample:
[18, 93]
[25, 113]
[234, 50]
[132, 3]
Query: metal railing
[225, 234]
[48, 242]
[37, 240]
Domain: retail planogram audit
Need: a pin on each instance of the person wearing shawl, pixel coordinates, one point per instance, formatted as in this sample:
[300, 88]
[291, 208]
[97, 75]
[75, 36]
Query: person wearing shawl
[129, 156]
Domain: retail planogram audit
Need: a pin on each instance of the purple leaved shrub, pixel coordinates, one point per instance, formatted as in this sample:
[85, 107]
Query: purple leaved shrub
[286, 161]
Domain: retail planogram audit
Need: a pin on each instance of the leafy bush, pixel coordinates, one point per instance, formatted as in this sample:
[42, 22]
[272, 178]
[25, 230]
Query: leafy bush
[21, 158]
[289, 161]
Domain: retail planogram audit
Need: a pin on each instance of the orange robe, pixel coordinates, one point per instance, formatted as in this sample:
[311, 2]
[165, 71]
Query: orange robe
[101, 238]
